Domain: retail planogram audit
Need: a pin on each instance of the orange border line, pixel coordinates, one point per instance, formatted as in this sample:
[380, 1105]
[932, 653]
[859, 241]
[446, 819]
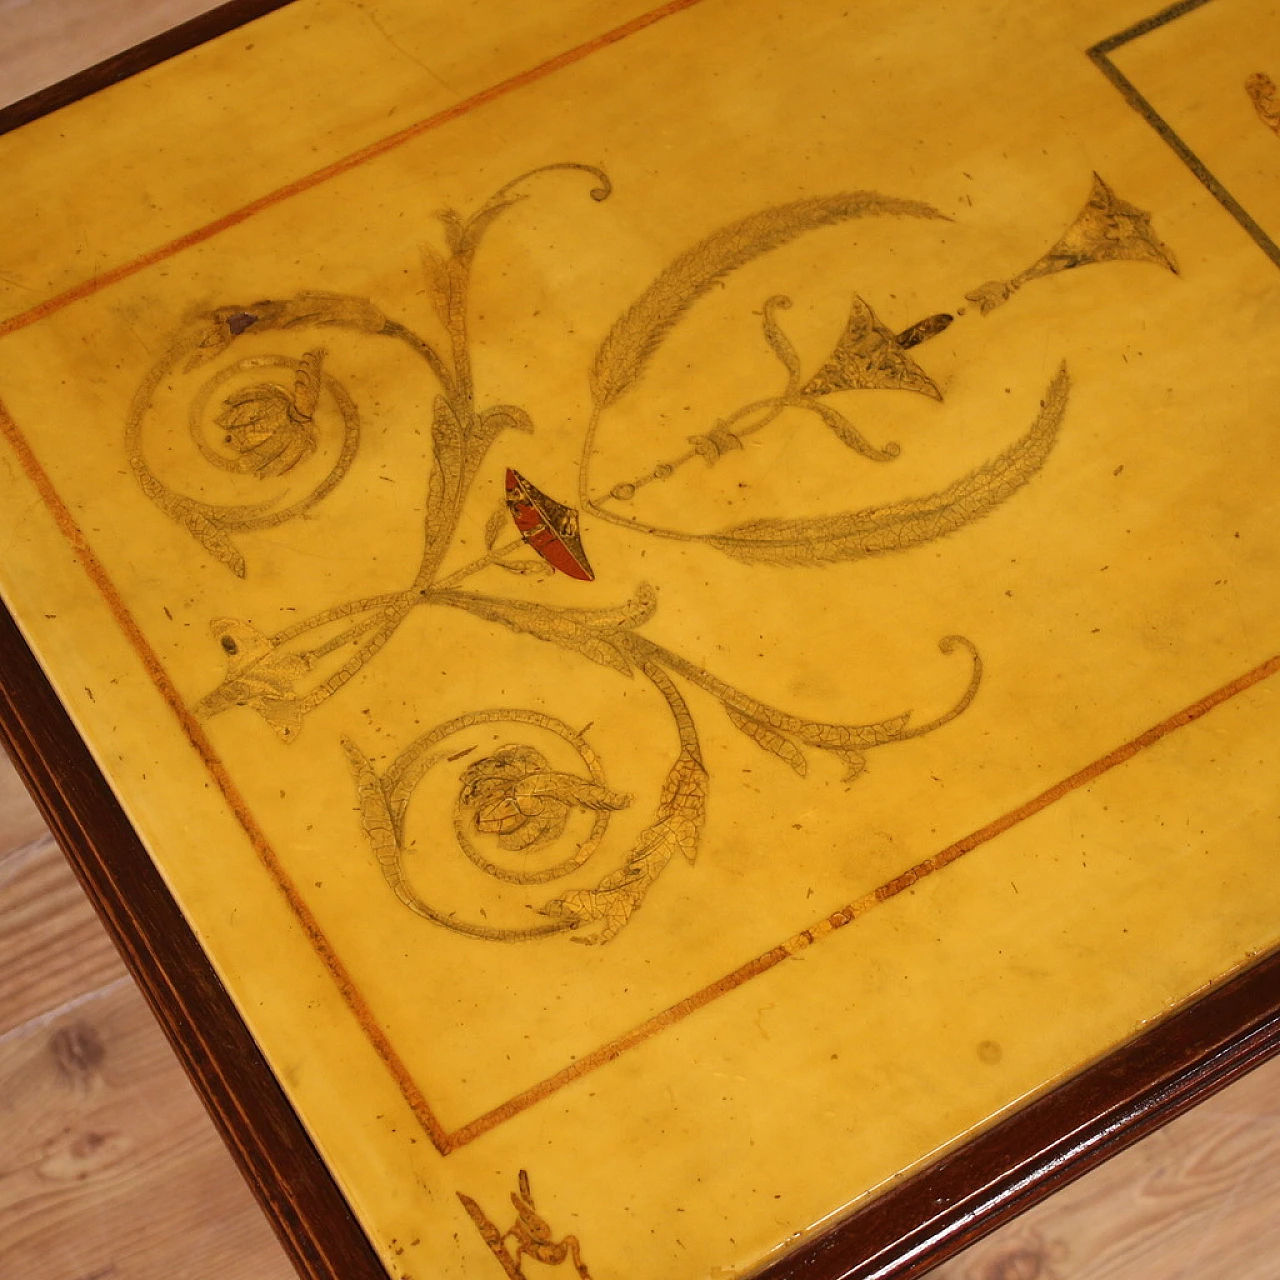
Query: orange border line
[89, 287]
[857, 909]
[446, 1141]
[210, 759]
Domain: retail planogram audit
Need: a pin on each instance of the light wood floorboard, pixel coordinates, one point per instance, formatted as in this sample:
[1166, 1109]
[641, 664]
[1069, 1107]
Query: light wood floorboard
[52, 947]
[109, 1166]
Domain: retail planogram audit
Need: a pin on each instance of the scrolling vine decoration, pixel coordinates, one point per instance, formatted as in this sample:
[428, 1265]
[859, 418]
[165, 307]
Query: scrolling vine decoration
[531, 1234]
[282, 416]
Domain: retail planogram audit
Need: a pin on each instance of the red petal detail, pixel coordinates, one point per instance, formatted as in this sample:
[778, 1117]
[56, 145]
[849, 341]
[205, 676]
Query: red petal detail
[549, 527]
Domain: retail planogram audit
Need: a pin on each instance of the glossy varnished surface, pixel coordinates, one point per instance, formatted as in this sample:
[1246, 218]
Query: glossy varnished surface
[1098, 763]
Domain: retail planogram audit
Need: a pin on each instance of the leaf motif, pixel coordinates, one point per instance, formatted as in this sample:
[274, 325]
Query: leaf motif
[437, 273]
[852, 535]
[565, 627]
[380, 826]
[504, 417]
[681, 812]
[1266, 102]
[526, 568]
[329, 309]
[632, 613]
[214, 332]
[213, 540]
[535, 832]
[453, 227]
[490, 423]
[683, 803]
[855, 764]
[475, 226]
[306, 383]
[769, 738]
[638, 333]
[447, 447]
[848, 737]
[259, 675]
[494, 526]
[594, 795]
[219, 328]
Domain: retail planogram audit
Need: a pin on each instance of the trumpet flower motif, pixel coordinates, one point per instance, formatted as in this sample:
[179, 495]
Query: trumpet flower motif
[869, 356]
[1107, 229]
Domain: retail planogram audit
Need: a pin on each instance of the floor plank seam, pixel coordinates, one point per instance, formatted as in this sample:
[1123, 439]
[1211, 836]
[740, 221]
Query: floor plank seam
[58, 1011]
[12, 861]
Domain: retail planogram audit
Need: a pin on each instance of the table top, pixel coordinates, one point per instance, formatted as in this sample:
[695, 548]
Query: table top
[460, 504]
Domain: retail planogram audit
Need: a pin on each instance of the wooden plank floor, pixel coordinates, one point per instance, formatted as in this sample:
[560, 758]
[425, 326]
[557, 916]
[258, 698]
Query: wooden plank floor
[109, 1166]
[110, 1170]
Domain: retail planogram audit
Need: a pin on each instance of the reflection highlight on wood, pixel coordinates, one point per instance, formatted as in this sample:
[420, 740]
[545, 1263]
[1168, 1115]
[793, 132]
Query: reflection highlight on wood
[52, 948]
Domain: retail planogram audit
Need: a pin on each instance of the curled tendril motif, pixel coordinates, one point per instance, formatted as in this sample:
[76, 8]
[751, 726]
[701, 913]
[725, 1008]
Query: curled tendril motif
[513, 805]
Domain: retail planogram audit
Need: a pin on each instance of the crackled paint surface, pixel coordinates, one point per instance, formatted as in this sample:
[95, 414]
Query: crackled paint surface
[785, 503]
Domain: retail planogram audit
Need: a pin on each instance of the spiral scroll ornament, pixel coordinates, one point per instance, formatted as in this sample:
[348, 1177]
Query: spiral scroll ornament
[255, 420]
[513, 798]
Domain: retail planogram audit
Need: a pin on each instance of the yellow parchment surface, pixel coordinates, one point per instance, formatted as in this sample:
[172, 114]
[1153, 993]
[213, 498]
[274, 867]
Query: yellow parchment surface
[227, 290]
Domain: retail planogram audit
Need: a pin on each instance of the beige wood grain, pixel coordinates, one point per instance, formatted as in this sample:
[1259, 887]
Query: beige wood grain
[110, 1168]
[20, 822]
[52, 946]
[1195, 1201]
[43, 41]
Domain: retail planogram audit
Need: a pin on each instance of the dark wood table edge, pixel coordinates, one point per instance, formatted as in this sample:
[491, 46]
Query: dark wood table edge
[901, 1234]
[1047, 1143]
[248, 1106]
[128, 62]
